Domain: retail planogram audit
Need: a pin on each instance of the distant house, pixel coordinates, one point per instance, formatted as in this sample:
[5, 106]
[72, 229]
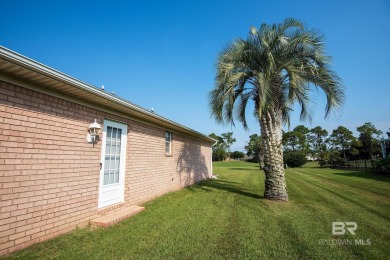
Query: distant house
[311, 157]
[385, 146]
[71, 154]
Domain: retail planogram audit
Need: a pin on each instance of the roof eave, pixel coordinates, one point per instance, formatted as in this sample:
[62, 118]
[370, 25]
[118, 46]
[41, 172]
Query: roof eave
[27, 63]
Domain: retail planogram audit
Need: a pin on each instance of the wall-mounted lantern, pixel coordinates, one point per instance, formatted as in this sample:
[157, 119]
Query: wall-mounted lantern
[94, 131]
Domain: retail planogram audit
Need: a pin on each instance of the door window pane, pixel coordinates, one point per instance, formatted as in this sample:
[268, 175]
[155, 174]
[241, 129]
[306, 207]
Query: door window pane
[112, 162]
[105, 180]
[112, 155]
[114, 131]
[111, 178]
[116, 179]
[109, 133]
[118, 149]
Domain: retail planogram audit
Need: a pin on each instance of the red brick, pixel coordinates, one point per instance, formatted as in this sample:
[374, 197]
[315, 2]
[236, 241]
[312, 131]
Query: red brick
[8, 232]
[22, 240]
[16, 236]
[23, 228]
[37, 235]
[18, 212]
[8, 208]
[3, 228]
[6, 245]
[8, 144]
[18, 117]
[23, 217]
[12, 161]
[8, 92]
[10, 221]
[11, 121]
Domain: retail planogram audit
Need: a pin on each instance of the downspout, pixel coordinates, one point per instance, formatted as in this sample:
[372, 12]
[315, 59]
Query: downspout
[211, 158]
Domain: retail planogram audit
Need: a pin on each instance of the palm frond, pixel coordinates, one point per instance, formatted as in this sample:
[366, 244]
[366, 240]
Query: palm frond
[281, 63]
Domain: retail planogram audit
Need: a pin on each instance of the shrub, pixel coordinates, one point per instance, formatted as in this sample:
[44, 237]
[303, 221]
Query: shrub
[382, 167]
[253, 159]
[294, 159]
[323, 163]
[237, 155]
[331, 158]
[337, 162]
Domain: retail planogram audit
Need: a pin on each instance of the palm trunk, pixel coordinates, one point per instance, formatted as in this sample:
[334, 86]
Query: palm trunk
[271, 131]
[260, 158]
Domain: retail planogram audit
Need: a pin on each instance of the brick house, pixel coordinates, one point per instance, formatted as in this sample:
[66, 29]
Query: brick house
[53, 179]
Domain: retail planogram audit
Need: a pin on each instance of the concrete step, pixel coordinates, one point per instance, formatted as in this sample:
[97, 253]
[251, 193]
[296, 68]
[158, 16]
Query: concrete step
[116, 216]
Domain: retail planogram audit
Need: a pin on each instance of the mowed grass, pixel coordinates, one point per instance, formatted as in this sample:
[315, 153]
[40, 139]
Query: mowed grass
[228, 218]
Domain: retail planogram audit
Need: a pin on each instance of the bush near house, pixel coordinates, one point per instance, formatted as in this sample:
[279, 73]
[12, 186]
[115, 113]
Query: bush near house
[294, 158]
[331, 158]
[237, 155]
[382, 167]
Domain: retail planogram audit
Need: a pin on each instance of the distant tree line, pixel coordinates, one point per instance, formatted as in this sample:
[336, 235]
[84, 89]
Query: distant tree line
[339, 146]
[302, 144]
[221, 150]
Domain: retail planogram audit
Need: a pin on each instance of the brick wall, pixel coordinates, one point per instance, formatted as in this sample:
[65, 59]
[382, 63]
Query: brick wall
[50, 174]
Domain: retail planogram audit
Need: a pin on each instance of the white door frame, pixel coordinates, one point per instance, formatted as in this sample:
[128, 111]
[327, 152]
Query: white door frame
[110, 194]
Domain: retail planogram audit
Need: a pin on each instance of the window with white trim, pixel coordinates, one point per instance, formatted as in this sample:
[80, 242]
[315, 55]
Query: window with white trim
[168, 142]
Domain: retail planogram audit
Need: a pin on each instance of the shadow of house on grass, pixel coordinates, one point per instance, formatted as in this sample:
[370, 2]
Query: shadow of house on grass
[192, 165]
[192, 168]
[228, 186]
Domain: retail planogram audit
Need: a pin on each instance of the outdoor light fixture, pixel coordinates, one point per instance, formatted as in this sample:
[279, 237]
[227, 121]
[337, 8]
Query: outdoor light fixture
[94, 130]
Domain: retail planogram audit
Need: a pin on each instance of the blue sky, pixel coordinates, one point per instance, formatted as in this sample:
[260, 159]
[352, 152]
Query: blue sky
[161, 54]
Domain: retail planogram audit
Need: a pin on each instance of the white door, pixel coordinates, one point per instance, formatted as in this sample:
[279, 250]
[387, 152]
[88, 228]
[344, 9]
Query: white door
[113, 164]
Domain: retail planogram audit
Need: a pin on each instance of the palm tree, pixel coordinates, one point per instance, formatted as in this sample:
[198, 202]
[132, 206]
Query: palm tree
[274, 67]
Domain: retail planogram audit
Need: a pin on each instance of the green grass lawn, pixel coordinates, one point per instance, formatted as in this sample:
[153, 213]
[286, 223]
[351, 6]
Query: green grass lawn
[228, 218]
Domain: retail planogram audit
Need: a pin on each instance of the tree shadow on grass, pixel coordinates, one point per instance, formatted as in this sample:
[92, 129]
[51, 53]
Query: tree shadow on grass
[365, 175]
[244, 169]
[229, 186]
